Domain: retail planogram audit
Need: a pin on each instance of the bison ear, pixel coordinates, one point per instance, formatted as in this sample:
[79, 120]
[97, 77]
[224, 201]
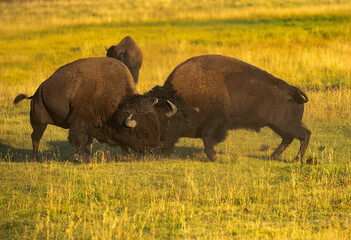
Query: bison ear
[124, 56]
[129, 122]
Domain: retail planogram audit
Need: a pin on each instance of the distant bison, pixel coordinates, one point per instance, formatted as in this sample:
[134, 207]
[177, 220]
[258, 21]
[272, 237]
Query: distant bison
[94, 98]
[129, 53]
[208, 95]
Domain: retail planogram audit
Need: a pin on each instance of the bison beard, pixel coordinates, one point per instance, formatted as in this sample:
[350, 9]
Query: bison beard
[214, 94]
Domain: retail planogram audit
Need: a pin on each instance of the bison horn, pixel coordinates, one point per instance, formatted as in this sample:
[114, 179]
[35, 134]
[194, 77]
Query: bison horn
[106, 48]
[129, 122]
[173, 107]
[155, 101]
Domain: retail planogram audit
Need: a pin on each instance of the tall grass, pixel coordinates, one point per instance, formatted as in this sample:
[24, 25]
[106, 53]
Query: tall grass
[244, 196]
[175, 199]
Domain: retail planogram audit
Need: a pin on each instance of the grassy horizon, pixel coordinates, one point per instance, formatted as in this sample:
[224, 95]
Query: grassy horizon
[243, 195]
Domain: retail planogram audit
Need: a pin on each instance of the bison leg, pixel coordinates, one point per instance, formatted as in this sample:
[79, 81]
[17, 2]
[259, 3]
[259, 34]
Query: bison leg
[304, 139]
[280, 149]
[298, 132]
[80, 140]
[209, 148]
[38, 131]
[213, 132]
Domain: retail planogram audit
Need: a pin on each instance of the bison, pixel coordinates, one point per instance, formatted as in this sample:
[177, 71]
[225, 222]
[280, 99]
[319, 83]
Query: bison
[208, 95]
[129, 53]
[94, 98]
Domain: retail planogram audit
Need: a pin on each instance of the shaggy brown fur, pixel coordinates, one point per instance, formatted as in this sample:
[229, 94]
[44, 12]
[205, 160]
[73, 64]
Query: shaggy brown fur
[222, 93]
[85, 96]
[129, 53]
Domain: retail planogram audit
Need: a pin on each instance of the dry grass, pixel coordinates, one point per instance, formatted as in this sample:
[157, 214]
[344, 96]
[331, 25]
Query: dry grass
[244, 196]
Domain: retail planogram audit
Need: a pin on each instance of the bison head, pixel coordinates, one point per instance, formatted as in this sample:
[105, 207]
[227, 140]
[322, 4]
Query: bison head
[136, 124]
[128, 52]
[170, 109]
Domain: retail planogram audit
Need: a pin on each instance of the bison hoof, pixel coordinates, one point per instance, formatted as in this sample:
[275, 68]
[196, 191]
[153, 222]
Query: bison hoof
[213, 159]
[274, 157]
[211, 156]
[296, 160]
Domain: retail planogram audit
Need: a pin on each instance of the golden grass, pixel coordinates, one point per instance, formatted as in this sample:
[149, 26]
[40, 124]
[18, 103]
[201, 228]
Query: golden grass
[244, 196]
[67, 13]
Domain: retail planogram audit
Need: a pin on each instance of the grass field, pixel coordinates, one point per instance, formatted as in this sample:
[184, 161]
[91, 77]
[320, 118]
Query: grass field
[243, 195]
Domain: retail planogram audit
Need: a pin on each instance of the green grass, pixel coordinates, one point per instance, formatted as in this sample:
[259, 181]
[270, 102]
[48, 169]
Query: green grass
[243, 196]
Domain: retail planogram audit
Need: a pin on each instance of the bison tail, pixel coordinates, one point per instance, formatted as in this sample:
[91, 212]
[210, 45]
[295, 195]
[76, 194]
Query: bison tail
[20, 97]
[299, 96]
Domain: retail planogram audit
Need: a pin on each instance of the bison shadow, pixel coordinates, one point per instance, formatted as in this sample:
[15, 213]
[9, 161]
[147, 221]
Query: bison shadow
[192, 153]
[267, 158]
[182, 152]
[60, 151]
[12, 154]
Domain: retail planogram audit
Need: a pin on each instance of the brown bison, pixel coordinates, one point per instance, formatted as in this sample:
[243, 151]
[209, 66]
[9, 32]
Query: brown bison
[208, 95]
[129, 53]
[94, 98]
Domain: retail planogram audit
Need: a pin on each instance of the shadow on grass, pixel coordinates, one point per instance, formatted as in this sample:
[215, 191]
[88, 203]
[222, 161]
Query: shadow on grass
[188, 153]
[195, 154]
[267, 158]
[60, 151]
[9, 153]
